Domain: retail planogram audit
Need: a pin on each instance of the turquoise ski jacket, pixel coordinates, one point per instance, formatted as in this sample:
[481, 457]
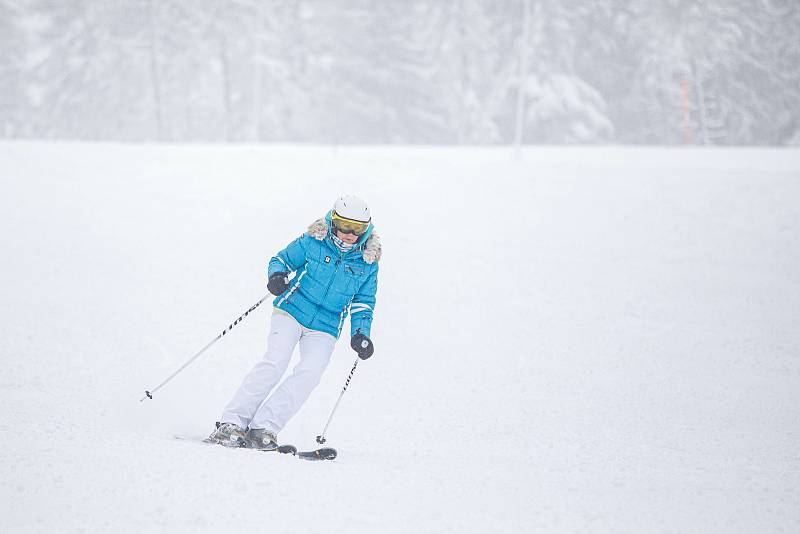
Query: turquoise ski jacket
[328, 284]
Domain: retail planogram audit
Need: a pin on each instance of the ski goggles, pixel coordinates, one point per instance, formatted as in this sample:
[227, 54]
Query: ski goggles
[348, 226]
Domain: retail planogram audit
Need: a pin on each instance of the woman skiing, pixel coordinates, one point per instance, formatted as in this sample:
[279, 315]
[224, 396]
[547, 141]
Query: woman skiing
[335, 266]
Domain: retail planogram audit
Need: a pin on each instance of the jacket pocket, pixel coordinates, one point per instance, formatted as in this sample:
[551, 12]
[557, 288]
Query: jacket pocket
[354, 276]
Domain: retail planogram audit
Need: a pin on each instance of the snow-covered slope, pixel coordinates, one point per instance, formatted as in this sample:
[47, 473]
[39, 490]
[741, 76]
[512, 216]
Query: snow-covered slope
[567, 340]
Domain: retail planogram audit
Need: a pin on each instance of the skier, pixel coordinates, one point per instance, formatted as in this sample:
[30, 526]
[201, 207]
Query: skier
[335, 266]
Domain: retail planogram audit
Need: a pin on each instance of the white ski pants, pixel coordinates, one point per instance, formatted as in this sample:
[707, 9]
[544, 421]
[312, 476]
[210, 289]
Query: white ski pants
[252, 405]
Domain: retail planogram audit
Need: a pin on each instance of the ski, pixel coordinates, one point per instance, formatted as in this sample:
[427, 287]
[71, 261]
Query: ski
[325, 453]
[287, 449]
[283, 449]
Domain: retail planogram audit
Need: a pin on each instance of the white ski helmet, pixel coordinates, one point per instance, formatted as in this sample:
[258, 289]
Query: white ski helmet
[353, 208]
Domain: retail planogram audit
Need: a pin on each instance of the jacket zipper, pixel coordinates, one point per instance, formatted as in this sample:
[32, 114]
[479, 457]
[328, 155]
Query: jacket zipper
[327, 289]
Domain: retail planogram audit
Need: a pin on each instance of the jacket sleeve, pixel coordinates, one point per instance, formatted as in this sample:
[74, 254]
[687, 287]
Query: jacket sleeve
[363, 305]
[289, 259]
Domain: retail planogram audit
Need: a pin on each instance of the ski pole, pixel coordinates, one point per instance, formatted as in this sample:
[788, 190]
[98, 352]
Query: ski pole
[321, 437]
[149, 394]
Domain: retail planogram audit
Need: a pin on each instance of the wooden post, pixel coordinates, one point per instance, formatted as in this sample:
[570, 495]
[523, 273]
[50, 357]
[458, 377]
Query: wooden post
[687, 130]
[155, 73]
[522, 73]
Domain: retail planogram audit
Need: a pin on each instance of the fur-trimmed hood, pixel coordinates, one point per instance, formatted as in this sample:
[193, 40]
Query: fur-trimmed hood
[371, 249]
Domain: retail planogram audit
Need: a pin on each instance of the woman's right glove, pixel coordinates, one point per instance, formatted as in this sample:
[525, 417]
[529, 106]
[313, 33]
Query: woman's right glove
[362, 345]
[278, 283]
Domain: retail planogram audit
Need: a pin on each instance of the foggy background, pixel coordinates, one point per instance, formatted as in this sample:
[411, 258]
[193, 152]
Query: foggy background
[717, 72]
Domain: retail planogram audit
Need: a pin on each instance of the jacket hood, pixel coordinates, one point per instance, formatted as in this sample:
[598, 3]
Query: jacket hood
[369, 243]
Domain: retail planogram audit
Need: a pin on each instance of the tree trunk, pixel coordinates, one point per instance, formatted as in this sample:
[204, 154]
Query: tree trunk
[155, 74]
[522, 75]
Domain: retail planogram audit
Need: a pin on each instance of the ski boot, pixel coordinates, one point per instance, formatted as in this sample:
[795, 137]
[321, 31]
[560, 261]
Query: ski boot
[263, 440]
[227, 434]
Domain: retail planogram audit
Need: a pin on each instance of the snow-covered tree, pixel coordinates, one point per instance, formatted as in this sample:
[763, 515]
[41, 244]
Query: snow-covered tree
[560, 105]
[402, 71]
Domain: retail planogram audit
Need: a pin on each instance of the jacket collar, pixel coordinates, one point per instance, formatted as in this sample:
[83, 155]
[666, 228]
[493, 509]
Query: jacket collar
[368, 245]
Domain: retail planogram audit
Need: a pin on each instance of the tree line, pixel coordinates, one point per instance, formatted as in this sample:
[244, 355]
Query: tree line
[402, 71]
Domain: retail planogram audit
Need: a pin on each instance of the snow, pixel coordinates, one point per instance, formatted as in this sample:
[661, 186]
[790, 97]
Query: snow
[567, 340]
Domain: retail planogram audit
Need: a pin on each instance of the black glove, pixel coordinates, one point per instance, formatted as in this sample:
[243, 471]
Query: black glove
[278, 283]
[362, 345]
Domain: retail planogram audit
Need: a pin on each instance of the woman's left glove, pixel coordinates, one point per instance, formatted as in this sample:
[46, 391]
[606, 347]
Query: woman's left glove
[278, 283]
[362, 345]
